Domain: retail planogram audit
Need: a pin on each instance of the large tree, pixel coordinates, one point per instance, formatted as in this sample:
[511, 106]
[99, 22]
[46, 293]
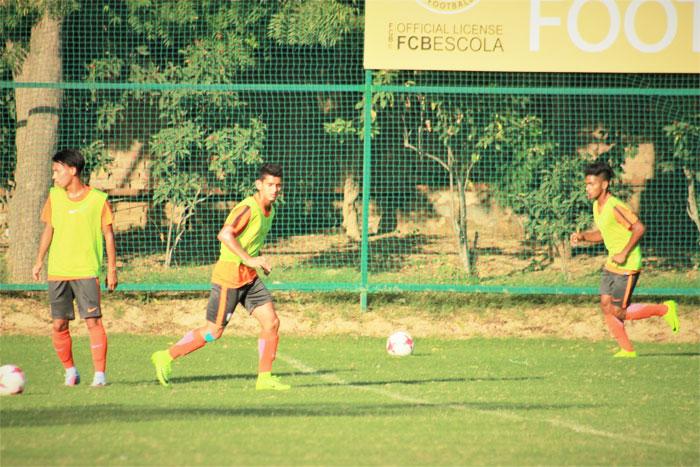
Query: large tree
[32, 51]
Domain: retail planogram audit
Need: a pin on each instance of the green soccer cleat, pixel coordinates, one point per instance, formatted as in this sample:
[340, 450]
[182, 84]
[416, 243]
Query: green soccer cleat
[267, 382]
[671, 316]
[625, 354]
[162, 361]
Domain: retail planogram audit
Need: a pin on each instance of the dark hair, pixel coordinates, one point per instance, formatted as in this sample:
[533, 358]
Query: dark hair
[71, 158]
[270, 169]
[600, 169]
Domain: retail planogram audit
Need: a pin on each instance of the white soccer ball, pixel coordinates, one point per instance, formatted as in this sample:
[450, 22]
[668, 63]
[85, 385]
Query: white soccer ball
[12, 380]
[399, 344]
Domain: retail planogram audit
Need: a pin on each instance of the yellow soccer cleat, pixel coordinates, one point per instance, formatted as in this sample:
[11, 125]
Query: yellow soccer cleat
[671, 316]
[267, 382]
[162, 361]
[625, 354]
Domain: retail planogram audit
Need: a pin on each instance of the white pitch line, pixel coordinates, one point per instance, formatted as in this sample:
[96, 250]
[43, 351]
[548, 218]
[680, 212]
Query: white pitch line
[575, 427]
[333, 378]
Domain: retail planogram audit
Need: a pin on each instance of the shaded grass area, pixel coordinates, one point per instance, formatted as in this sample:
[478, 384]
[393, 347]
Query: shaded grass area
[418, 273]
[454, 402]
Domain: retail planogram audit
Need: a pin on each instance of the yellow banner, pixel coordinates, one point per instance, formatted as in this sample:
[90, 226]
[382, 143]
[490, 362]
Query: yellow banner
[632, 36]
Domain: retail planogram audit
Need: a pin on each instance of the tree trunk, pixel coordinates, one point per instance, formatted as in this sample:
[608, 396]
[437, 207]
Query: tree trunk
[351, 193]
[389, 215]
[692, 208]
[36, 140]
[563, 247]
[461, 224]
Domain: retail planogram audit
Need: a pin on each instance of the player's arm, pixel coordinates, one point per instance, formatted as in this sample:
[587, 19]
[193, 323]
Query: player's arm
[637, 230]
[589, 236]
[110, 246]
[228, 236]
[44, 243]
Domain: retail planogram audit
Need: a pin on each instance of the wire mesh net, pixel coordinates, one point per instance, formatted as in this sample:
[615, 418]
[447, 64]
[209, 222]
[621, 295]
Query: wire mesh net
[457, 180]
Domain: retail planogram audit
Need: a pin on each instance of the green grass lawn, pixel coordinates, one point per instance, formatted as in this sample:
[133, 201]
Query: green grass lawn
[495, 401]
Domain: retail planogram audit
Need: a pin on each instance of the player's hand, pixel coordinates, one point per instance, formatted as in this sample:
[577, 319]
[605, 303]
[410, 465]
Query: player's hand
[575, 238]
[262, 263]
[619, 258]
[36, 271]
[111, 281]
[265, 265]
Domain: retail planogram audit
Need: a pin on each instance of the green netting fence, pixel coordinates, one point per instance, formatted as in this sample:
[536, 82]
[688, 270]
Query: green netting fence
[394, 180]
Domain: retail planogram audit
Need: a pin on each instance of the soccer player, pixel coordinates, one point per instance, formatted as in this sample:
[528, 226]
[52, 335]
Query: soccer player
[77, 220]
[235, 280]
[620, 230]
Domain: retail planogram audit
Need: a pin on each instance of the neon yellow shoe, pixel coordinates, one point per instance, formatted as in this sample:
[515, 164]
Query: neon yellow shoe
[625, 354]
[267, 382]
[671, 316]
[162, 361]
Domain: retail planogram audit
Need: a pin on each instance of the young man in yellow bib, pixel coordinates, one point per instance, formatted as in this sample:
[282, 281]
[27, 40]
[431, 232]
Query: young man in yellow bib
[620, 230]
[235, 280]
[77, 220]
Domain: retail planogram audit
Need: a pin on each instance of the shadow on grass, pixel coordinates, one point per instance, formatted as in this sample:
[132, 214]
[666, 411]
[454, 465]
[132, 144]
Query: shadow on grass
[116, 413]
[249, 376]
[671, 354]
[419, 381]
[223, 377]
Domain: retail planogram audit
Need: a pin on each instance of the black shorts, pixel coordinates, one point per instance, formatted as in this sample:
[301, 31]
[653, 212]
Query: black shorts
[619, 286]
[86, 293]
[223, 301]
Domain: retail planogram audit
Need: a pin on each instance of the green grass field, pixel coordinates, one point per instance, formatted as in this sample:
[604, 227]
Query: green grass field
[454, 402]
[419, 273]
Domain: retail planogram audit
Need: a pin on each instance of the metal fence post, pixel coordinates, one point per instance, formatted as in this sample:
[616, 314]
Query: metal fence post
[366, 180]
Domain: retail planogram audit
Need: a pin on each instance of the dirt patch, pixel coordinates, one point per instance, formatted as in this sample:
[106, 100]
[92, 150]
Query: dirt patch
[308, 315]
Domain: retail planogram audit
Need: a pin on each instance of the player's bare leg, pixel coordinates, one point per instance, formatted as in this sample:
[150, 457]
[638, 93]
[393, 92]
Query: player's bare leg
[63, 344]
[615, 319]
[267, 347]
[98, 348]
[668, 310]
[193, 340]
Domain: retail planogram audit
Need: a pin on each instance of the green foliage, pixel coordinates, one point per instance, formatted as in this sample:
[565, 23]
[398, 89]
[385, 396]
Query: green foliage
[340, 128]
[96, 157]
[503, 141]
[8, 152]
[530, 173]
[230, 148]
[174, 168]
[200, 143]
[685, 136]
[529, 176]
[556, 206]
[17, 17]
[313, 22]
[188, 166]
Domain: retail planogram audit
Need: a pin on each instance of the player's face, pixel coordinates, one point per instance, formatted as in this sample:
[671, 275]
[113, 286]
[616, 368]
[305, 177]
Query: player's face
[595, 186]
[269, 188]
[62, 174]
